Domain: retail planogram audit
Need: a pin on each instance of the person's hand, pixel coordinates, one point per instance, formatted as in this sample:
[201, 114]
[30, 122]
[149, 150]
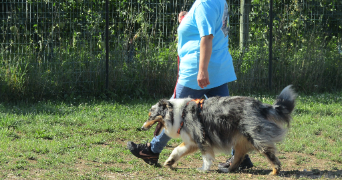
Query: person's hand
[181, 15]
[203, 78]
[206, 45]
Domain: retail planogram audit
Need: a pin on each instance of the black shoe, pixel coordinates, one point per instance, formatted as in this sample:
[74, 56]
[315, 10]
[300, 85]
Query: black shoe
[227, 163]
[143, 151]
[246, 163]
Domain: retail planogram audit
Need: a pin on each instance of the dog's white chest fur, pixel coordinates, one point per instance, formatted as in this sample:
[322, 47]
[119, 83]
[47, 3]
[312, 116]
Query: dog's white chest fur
[172, 129]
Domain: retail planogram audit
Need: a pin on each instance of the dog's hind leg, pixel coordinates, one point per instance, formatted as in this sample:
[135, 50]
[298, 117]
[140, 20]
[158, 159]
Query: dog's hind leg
[208, 158]
[180, 151]
[270, 154]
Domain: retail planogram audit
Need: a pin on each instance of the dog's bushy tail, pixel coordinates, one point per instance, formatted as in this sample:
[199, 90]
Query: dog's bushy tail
[285, 104]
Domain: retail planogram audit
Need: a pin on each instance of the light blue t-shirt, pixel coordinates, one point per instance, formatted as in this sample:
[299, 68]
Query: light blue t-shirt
[204, 18]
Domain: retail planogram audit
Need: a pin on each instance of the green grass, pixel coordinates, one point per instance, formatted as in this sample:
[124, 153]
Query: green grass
[85, 138]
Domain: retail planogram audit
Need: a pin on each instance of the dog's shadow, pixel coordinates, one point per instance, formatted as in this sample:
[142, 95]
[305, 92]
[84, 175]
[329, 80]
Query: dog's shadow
[313, 174]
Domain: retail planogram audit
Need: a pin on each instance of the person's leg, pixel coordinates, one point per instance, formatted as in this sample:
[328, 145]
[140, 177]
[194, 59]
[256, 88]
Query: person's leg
[159, 142]
[218, 91]
[185, 92]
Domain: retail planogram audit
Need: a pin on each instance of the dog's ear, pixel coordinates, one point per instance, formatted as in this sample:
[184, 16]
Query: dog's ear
[165, 103]
[167, 110]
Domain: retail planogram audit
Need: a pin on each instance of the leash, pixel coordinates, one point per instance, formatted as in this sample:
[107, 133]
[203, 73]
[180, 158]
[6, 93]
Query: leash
[199, 103]
[174, 91]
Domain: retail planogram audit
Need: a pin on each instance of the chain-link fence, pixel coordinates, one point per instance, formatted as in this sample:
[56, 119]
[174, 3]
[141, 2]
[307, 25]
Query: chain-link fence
[59, 48]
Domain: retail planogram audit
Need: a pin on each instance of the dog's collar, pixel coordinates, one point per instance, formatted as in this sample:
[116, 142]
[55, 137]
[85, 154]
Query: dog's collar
[199, 103]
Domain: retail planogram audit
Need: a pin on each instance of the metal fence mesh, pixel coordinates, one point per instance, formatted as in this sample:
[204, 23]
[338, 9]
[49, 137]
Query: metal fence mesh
[51, 48]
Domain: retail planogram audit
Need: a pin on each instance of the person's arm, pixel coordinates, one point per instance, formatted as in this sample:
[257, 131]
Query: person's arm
[206, 46]
[181, 16]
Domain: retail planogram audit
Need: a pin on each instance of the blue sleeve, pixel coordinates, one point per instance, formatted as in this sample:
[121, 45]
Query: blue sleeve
[206, 15]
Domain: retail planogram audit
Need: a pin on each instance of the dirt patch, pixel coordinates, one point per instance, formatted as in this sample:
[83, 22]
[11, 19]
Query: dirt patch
[122, 142]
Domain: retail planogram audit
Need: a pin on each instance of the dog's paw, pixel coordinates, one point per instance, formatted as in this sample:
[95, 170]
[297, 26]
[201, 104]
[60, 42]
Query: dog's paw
[202, 169]
[168, 164]
[274, 173]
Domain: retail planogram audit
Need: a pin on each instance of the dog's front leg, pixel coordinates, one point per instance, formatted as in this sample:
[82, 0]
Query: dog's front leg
[208, 158]
[180, 151]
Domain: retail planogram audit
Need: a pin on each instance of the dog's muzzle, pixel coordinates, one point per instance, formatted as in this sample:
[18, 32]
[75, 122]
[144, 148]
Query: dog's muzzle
[147, 125]
[144, 128]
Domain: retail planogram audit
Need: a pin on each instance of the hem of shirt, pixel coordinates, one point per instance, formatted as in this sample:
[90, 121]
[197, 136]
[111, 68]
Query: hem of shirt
[210, 86]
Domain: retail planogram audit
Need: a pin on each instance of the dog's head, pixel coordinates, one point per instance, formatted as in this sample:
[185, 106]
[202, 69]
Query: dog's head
[158, 114]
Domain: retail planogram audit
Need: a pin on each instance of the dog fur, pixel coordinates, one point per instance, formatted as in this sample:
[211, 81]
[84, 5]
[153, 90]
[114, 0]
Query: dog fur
[222, 123]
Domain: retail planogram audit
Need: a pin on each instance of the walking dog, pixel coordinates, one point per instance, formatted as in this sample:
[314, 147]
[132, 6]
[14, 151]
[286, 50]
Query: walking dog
[217, 124]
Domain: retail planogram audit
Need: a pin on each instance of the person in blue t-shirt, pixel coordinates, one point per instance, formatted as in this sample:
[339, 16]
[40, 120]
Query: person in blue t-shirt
[205, 66]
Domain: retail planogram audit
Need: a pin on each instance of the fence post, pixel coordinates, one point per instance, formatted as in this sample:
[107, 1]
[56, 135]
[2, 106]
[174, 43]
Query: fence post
[107, 43]
[270, 48]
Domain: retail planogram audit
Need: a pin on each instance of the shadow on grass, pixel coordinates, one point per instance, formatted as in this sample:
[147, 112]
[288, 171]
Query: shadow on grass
[313, 174]
[67, 106]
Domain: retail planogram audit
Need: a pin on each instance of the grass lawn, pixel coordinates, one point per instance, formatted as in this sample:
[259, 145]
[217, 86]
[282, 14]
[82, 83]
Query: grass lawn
[86, 139]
